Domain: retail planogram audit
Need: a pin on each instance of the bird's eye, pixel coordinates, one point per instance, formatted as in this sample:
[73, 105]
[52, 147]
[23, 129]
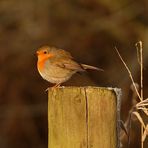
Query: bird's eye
[45, 52]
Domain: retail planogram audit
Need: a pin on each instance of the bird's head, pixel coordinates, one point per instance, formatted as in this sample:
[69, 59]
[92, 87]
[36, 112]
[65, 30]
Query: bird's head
[45, 53]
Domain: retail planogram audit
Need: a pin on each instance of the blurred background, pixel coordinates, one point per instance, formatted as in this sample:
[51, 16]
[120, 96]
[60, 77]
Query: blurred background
[89, 29]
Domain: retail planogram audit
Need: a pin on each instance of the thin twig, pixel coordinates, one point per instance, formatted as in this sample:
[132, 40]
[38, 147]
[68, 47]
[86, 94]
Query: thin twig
[139, 118]
[129, 73]
[139, 46]
[142, 102]
[142, 105]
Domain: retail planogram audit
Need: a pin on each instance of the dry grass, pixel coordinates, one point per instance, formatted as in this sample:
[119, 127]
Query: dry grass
[142, 105]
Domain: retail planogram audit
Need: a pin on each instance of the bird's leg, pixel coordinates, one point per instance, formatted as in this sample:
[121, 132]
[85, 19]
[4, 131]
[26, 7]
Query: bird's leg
[56, 85]
[46, 89]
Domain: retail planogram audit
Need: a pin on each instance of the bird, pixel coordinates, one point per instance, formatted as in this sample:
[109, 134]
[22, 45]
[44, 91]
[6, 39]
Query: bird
[58, 66]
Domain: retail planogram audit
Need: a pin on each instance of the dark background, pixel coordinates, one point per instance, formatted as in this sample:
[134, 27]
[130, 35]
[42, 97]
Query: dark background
[89, 29]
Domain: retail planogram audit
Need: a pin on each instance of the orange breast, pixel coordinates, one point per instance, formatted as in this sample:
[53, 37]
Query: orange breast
[42, 59]
[40, 65]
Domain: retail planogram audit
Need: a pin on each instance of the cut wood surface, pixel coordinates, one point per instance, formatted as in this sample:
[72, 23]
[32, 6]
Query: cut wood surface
[82, 117]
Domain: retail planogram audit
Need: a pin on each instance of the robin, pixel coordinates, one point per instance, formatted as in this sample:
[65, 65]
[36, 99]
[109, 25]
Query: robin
[57, 65]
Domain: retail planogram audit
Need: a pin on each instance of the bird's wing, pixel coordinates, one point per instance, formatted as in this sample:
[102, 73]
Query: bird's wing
[69, 64]
[64, 53]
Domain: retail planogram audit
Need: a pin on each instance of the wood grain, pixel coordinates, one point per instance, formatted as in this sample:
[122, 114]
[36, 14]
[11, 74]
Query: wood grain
[82, 117]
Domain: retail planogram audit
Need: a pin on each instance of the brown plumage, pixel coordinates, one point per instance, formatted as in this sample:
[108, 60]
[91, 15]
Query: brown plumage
[57, 65]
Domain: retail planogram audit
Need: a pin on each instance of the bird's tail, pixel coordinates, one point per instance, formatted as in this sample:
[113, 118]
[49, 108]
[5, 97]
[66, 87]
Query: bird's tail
[91, 67]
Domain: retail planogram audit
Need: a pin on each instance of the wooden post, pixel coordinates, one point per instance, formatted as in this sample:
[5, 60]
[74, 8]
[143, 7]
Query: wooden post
[82, 117]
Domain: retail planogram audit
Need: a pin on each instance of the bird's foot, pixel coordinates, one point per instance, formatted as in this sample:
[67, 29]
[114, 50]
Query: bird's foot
[53, 87]
[47, 89]
[56, 86]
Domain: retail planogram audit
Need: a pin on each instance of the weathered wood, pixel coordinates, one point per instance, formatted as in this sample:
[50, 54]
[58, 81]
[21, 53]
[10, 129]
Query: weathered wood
[82, 117]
